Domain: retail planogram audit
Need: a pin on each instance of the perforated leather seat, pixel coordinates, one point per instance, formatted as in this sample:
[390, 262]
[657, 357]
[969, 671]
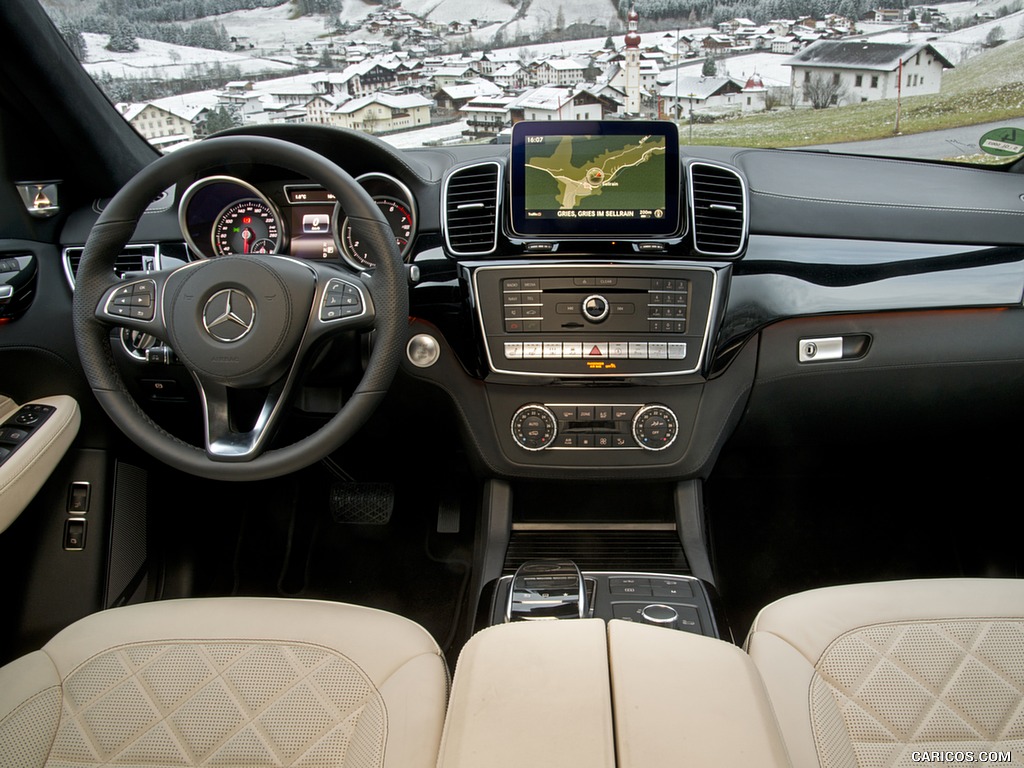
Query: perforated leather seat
[232, 681]
[890, 674]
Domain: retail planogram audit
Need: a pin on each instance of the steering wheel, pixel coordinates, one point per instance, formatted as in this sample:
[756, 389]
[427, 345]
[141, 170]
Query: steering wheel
[239, 322]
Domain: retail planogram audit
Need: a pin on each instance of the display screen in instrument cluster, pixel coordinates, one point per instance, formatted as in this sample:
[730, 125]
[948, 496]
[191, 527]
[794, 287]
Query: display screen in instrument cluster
[311, 222]
[312, 228]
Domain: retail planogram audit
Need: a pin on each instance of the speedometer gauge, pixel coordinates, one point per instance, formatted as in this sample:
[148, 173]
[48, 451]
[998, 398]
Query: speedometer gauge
[399, 217]
[247, 226]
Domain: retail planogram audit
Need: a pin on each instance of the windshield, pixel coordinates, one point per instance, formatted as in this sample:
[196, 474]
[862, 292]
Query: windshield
[941, 81]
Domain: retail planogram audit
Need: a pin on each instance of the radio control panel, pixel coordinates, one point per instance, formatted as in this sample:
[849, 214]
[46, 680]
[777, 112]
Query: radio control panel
[595, 320]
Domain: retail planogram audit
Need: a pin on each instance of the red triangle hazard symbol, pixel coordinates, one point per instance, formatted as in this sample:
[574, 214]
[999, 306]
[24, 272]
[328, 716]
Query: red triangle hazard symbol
[595, 352]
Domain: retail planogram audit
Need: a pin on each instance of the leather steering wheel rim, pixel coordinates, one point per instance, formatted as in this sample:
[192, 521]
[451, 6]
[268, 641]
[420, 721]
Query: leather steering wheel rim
[116, 225]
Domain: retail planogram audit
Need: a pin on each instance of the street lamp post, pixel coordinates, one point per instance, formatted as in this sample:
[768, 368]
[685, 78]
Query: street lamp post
[691, 97]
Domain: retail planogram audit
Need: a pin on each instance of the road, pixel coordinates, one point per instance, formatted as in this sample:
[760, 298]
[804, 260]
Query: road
[950, 142]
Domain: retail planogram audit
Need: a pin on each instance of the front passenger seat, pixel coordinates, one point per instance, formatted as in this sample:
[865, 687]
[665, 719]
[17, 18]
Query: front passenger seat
[897, 673]
[228, 681]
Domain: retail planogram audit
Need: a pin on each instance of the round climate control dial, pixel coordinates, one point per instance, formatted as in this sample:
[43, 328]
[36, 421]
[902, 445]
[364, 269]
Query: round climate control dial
[655, 427]
[534, 427]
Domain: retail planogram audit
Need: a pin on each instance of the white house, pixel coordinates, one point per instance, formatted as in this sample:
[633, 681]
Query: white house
[383, 112]
[487, 115]
[560, 72]
[556, 103]
[701, 94]
[865, 71]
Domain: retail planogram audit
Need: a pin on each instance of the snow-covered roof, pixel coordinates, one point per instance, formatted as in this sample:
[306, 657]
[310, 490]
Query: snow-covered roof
[545, 97]
[476, 87]
[700, 88]
[883, 57]
[409, 101]
[564, 65]
[507, 70]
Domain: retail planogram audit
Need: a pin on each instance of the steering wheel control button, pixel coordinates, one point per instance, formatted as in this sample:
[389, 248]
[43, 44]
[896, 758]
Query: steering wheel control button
[423, 350]
[340, 300]
[534, 427]
[229, 315]
[136, 300]
[655, 427]
[595, 308]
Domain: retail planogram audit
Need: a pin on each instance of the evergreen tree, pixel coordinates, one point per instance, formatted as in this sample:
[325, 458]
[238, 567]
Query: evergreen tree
[71, 31]
[122, 39]
[710, 68]
[326, 62]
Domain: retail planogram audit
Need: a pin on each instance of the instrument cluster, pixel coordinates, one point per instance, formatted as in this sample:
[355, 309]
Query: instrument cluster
[222, 215]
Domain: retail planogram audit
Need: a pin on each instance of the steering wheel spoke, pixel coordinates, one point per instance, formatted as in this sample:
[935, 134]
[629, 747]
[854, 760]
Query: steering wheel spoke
[225, 439]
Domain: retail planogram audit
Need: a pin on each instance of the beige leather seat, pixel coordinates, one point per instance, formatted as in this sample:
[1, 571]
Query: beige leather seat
[233, 681]
[896, 673]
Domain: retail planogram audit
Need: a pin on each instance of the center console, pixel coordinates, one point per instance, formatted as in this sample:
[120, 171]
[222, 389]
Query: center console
[556, 589]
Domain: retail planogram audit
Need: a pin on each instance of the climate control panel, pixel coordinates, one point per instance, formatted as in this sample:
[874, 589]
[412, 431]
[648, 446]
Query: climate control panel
[554, 426]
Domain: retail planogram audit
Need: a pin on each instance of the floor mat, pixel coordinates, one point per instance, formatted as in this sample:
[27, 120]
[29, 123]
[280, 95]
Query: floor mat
[279, 538]
[776, 532]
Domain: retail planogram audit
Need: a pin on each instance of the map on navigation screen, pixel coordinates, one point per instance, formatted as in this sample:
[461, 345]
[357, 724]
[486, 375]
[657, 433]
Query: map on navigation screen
[595, 177]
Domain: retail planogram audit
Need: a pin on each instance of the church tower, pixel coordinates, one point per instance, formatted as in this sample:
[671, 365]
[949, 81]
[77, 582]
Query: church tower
[632, 63]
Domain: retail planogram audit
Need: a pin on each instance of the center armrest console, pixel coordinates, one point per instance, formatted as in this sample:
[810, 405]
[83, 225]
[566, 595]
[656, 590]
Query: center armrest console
[680, 699]
[580, 692]
[531, 694]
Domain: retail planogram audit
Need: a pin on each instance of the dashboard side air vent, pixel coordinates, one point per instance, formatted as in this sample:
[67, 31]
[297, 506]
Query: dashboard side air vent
[470, 200]
[133, 258]
[718, 206]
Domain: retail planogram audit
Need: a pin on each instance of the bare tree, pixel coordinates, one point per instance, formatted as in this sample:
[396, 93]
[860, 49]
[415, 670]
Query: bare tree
[824, 91]
[779, 96]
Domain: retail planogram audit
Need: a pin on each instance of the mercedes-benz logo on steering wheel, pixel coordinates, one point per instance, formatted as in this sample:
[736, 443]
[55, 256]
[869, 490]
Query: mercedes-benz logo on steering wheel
[229, 315]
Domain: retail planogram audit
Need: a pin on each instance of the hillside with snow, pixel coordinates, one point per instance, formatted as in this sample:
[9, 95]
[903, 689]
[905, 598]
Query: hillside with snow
[165, 61]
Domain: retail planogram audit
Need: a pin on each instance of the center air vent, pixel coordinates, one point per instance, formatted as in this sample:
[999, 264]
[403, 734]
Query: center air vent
[470, 204]
[718, 204]
[133, 258]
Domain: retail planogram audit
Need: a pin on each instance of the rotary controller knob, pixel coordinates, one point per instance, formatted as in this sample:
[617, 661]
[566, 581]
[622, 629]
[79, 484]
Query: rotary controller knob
[655, 427]
[534, 427]
[660, 616]
[595, 308]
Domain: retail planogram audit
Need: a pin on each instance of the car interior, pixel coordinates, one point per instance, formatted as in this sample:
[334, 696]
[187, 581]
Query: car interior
[314, 451]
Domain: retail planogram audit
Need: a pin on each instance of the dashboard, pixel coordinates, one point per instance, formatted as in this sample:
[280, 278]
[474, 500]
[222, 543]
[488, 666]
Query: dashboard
[566, 351]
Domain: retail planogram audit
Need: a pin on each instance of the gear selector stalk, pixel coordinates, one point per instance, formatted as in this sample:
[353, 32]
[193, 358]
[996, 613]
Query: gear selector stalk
[547, 589]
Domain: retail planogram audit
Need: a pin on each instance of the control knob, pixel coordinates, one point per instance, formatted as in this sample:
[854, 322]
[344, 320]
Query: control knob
[660, 616]
[534, 427]
[595, 308]
[655, 427]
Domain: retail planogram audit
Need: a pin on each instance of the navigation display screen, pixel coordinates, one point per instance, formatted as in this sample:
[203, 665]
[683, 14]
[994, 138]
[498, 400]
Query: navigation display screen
[586, 179]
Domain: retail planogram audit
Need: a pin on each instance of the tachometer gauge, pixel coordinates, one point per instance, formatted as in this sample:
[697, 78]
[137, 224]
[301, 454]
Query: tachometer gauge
[247, 226]
[399, 217]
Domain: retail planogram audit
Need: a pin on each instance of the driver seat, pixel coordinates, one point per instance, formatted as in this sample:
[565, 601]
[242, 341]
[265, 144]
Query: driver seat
[228, 681]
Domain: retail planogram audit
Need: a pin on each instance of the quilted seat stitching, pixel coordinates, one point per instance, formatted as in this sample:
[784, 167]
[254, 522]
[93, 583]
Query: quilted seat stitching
[852, 694]
[304, 677]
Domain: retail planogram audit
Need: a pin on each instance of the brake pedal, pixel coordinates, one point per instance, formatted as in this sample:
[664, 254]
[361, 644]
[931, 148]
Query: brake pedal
[362, 503]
